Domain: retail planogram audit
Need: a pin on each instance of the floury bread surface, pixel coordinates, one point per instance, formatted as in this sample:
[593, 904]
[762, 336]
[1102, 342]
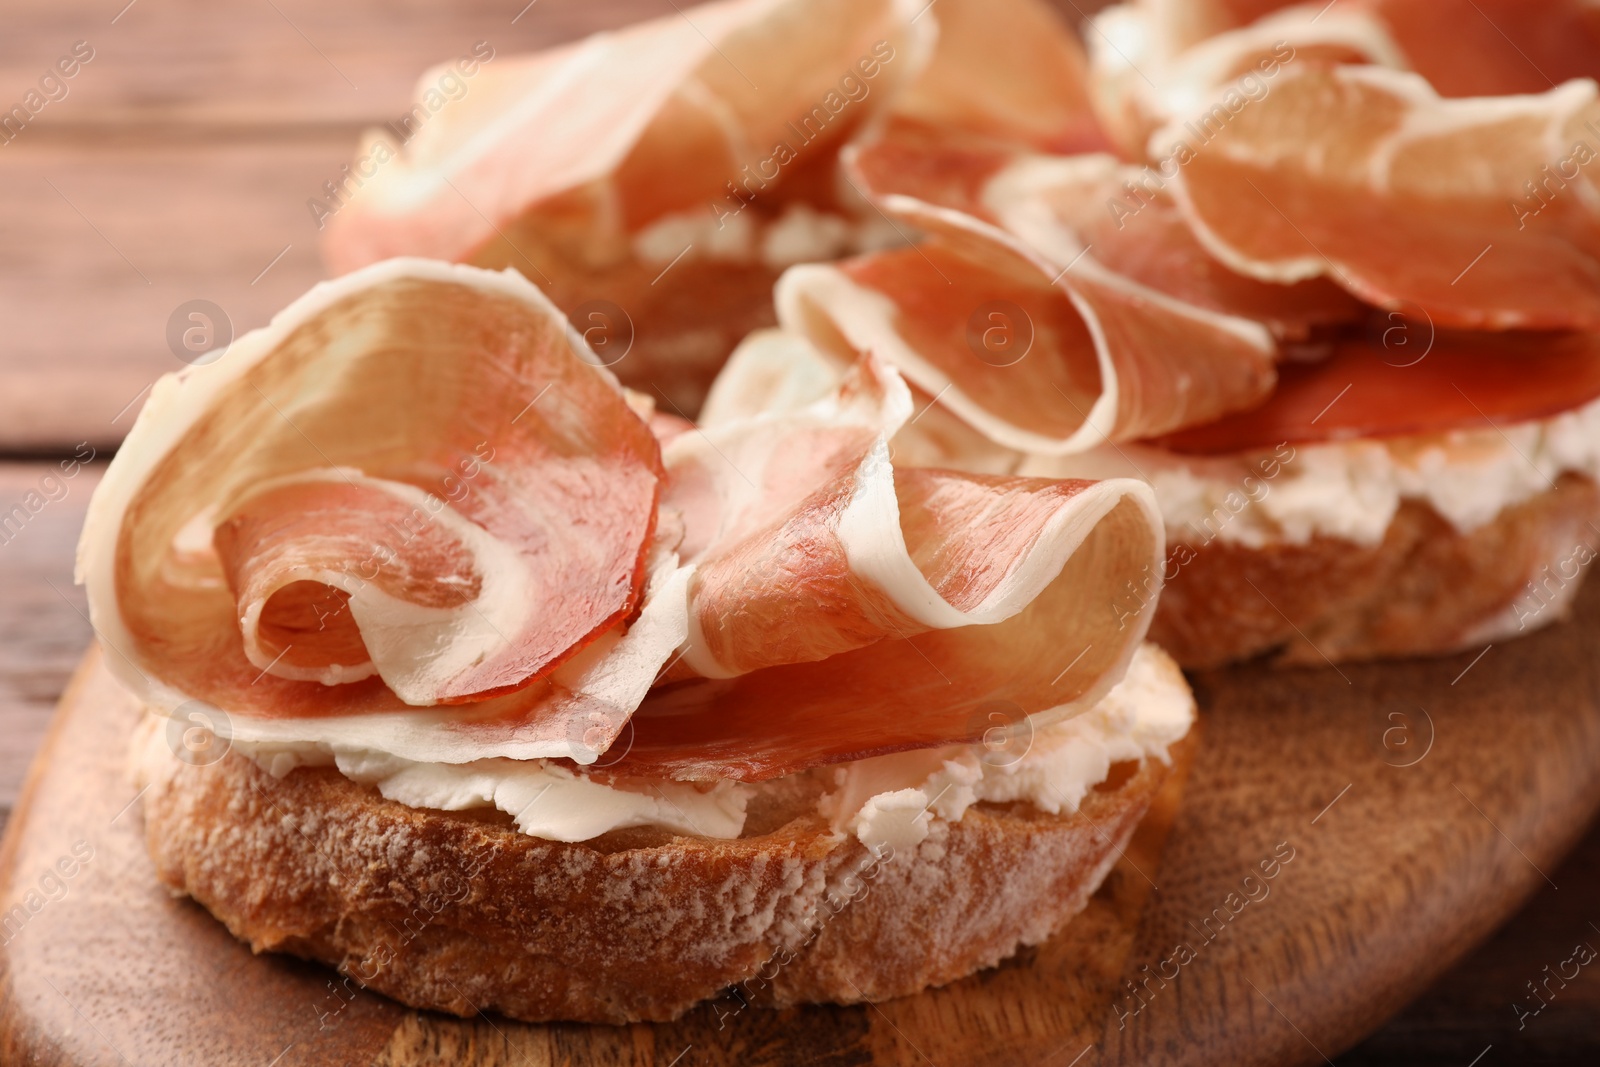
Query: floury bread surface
[1426, 588]
[457, 913]
[462, 912]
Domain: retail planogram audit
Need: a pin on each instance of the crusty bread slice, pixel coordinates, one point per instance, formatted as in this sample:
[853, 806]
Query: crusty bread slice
[460, 912]
[1424, 589]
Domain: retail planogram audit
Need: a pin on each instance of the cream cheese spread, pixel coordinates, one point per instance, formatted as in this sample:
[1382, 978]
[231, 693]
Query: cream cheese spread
[1346, 489]
[892, 800]
[801, 234]
[888, 800]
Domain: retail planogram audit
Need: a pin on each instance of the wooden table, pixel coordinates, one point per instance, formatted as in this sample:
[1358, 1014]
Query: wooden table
[178, 167]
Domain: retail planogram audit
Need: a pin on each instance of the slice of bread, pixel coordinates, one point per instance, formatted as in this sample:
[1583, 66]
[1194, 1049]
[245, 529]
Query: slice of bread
[459, 912]
[1426, 588]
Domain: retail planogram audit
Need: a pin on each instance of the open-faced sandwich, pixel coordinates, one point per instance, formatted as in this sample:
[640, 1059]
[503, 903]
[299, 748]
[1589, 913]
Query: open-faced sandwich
[514, 696]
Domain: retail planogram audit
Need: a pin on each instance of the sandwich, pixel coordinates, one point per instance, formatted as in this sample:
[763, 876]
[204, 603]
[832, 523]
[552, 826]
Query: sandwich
[468, 674]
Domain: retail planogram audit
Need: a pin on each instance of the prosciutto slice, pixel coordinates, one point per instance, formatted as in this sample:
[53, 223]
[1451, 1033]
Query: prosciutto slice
[653, 180]
[1067, 207]
[1041, 102]
[1170, 61]
[592, 141]
[1457, 380]
[1291, 164]
[843, 607]
[1180, 24]
[1463, 47]
[1472, 213]
[1039, 355]
[412, 489]
[775, 370]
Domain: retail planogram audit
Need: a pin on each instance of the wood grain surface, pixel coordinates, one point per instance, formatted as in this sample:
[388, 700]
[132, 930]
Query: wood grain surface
[1309, 872]
[178, 167]
[44, 622]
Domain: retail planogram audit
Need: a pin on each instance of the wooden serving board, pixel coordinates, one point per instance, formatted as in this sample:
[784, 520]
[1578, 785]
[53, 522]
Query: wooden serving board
[1404, 810]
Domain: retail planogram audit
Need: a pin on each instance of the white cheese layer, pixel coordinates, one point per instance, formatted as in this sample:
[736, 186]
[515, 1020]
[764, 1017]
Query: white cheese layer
[1347, 489]
[889, 800]
[802, 234]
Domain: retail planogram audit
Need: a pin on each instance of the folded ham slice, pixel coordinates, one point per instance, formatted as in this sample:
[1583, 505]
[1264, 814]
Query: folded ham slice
[843, 607]
[1463, 47]
[1042, 353]
[775, 370]
[412, 489]
[1475, 213]
[1169, 61]
[1087, 204]
[1189, 65]
[653, 180]
[581, 147]
[1175, 25]
[1292, 164]
[1451, 380]
[1006, 70]
[1135, 230]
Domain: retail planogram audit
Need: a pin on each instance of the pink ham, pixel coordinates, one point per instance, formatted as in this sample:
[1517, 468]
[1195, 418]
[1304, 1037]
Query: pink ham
[843, 607]
[653, 181]
[1409, 200]
[1087, 204]
[412, 489]
[1080, 354]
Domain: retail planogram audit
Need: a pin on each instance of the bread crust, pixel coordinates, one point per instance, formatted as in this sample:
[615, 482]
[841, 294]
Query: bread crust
[459, 912]
[1425, 589]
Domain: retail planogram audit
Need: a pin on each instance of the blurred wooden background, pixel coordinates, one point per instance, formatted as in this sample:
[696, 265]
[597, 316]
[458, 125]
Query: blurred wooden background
[178, 167]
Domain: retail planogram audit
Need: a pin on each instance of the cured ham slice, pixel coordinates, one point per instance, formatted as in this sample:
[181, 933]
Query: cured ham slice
[958, 123]
[771, 372]
[1462, 381]
[1463, 47]
[1183, 23]
[915, 691]
[412, 489]
[1495, 47]
[761, 499]
[1158, 63]
[1126, 217]
[306, 613]
[1041, 102]
[905, 163]
[657, 177]
[593, 141]
[842, 607]
[1088, 204]
[1408, 200]
[777, 371]
[1039, 356]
